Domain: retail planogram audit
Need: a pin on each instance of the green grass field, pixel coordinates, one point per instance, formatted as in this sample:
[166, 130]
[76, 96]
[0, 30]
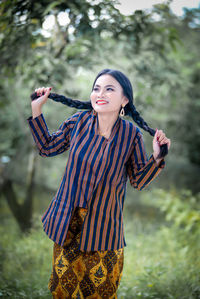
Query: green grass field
[161, 257]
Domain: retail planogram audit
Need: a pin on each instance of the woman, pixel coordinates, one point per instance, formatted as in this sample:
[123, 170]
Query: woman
[85, 217]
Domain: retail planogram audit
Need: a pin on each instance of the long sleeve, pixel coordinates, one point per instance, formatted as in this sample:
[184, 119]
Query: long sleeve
[140, 169]
[51, 144]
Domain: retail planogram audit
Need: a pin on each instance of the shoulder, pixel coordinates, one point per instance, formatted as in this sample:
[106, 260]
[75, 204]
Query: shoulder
[78, 116]
[135, 131]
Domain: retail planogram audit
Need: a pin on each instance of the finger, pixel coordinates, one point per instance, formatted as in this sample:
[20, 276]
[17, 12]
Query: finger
[161, 137]
[39, 91]
[156, 135]
[42, 91]
[159, 131]
[47, 91]
[164, 141]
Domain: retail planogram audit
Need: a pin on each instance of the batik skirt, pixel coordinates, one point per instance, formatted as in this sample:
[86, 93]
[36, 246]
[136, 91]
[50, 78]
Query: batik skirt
[78, 274]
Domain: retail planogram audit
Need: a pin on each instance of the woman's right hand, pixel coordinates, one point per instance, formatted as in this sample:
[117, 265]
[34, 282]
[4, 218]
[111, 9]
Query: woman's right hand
[43, 93]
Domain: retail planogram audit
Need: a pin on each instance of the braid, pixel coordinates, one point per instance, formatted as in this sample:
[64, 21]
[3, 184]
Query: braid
[139, 120]
[66, 101]
[129, 110]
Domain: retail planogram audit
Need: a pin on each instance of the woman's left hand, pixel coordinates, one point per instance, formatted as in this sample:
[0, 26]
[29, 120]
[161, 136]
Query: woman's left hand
[158, 140]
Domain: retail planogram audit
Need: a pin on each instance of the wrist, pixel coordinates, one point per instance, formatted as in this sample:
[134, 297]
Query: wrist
[157, 160]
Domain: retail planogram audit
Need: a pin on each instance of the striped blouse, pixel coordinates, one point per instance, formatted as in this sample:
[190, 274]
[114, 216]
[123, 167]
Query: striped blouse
[95, 176]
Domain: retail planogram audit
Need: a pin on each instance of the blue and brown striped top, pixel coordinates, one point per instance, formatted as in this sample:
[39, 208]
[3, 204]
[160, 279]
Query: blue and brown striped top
[95, 176]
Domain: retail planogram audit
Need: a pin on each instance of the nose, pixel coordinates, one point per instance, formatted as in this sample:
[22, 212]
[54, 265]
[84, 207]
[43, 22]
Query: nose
[100, 93]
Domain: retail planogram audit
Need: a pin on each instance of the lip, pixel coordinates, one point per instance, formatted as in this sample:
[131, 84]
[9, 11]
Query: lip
[101, 102]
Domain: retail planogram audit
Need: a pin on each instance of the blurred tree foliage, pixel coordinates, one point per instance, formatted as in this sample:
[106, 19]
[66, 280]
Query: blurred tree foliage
[158, 51]
[89, 23]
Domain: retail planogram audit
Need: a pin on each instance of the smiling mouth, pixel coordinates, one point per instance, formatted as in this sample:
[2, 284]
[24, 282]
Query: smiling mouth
[101, 102]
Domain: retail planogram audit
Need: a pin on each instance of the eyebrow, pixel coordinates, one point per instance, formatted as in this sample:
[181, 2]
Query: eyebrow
[105, 86]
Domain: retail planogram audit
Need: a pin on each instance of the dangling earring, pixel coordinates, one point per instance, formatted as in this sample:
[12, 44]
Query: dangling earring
[94, 112]
[122, 112]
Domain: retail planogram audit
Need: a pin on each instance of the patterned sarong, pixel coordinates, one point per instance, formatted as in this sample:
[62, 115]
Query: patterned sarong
[78, 274]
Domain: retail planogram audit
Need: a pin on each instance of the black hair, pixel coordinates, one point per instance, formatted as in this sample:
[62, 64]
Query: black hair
[129, 109]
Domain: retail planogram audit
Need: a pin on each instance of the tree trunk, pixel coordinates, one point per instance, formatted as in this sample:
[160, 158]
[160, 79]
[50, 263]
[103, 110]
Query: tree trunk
[22, 212]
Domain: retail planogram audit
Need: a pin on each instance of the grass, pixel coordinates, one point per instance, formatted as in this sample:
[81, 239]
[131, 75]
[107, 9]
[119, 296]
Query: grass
[156, 266]
[158, 263]
[26, 263]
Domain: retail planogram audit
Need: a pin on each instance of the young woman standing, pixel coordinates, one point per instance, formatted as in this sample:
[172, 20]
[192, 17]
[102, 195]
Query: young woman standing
[85, 217]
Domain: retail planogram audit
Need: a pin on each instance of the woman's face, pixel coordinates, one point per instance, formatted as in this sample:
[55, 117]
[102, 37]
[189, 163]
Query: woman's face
[107, 95]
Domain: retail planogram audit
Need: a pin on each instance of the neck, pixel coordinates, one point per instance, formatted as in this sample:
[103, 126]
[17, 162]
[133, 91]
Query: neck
[106, 122]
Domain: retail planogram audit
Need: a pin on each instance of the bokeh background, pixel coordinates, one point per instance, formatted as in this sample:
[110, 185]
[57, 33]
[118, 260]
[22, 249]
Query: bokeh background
[64, 44]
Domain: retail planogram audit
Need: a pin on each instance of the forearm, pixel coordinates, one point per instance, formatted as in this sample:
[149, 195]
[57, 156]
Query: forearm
[36, 110]
[148, 173]
[55, 143]
[49, 144]
[142, 170]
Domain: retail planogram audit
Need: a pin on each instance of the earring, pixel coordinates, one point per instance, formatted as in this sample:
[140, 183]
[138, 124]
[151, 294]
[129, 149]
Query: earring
[94, 112]
[122, 112]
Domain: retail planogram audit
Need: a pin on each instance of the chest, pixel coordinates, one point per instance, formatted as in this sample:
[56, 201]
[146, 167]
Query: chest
[95, 154]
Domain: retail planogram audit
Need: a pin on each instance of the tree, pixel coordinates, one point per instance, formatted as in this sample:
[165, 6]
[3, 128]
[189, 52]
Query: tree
[30, 59]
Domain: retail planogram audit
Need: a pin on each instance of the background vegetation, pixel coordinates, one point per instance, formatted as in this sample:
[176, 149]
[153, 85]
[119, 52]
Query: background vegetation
[159, 53]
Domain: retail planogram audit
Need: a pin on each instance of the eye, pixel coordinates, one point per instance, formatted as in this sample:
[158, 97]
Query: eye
[95, 89]
[110, 89]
